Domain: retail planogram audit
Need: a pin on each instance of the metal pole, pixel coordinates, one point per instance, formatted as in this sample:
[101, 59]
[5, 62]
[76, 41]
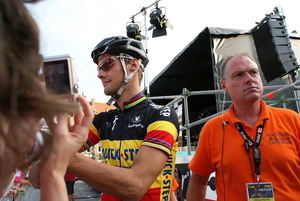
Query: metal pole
[144, 8]
[146, 82]
[294, 86]
[280, 88]
[276, 89]
[185, 93]
[144, 12]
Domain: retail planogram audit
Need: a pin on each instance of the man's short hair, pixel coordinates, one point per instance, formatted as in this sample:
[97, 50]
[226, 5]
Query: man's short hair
[222, 68]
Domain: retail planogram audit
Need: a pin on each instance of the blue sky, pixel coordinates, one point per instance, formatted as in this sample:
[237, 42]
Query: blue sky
[76, 26]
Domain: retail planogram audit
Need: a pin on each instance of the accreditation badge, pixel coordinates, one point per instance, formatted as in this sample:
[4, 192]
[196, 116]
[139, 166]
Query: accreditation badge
[260, 191]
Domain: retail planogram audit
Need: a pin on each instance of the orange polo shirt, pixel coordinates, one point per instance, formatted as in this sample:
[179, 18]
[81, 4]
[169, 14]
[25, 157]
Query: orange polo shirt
[222, 150]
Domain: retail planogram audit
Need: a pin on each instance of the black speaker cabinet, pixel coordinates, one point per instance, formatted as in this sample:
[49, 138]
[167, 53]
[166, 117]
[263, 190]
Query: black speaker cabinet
[273, 47]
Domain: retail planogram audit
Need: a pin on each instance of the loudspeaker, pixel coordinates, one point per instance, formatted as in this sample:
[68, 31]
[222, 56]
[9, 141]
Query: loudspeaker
[273, 47]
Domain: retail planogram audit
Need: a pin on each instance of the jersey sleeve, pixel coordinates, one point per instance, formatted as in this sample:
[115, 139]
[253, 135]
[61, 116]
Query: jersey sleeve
[93, 137]
[162, 133]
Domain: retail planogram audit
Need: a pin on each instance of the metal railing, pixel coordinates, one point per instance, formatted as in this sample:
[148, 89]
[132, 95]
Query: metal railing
[274, 90]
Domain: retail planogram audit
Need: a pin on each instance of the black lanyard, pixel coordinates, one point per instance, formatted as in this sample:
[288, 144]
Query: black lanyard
[248, 143]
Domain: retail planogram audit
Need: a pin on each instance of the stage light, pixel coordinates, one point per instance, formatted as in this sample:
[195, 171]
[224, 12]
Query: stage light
[156, 18]
[159, 23]
[133, 30]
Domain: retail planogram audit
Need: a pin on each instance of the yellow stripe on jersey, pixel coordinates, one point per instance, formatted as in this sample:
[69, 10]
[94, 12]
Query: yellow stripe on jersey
[165, 126]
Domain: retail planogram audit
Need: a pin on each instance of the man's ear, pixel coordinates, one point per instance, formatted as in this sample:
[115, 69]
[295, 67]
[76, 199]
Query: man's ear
[133, 65]
[223, 85]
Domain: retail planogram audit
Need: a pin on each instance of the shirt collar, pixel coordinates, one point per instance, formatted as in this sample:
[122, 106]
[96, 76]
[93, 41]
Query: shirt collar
[264, 114]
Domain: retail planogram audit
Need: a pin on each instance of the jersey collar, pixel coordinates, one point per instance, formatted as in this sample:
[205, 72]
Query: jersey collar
[134, 100]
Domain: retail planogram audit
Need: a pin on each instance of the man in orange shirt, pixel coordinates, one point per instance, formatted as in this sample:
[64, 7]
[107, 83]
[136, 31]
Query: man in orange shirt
[250, 146]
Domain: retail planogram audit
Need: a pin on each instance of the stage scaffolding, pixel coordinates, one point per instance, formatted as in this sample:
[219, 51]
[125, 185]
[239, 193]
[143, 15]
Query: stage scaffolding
[271, 92]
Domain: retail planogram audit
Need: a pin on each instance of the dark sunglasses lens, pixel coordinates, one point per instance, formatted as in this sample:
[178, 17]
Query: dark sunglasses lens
[107, 64]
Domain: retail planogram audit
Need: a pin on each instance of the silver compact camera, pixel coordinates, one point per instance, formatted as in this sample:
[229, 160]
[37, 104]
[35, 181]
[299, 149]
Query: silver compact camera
[60, 76]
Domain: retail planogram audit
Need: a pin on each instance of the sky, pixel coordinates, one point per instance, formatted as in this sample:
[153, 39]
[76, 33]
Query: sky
[75, 27]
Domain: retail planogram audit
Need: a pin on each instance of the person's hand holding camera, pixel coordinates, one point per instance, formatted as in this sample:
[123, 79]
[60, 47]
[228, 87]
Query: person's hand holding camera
[61, 146]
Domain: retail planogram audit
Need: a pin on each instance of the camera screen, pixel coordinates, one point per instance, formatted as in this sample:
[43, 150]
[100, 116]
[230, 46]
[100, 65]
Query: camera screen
[57, 77]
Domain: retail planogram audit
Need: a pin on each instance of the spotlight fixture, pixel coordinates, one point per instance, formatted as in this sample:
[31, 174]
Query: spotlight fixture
[133, 30]
[159, 23]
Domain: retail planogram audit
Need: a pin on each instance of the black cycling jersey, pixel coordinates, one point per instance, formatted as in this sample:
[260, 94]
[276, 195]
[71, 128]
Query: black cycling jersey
[142, 123]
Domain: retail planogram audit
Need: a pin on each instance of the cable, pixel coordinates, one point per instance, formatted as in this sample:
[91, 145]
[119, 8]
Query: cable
[223, 138]
[222, 156]
[223, 103]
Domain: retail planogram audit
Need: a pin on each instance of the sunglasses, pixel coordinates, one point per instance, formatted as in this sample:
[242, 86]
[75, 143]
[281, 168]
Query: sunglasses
[109, 62]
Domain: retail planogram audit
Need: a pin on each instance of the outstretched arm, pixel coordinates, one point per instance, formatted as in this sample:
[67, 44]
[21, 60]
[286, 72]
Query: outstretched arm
[65, 143]
[127, 184]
